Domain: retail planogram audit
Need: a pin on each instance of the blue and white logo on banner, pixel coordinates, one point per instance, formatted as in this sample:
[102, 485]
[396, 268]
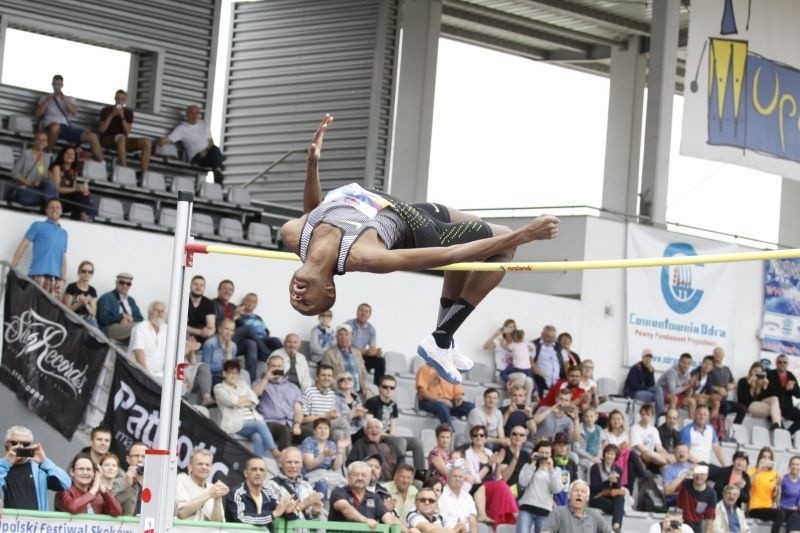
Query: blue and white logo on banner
[677, 282]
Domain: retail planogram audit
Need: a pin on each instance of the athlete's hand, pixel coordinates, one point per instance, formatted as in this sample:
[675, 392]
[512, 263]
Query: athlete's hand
[541, 228]
[315, 149]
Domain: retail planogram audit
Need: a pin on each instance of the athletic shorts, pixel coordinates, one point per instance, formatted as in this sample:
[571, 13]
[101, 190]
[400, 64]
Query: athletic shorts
[428, 225]
[71, 134]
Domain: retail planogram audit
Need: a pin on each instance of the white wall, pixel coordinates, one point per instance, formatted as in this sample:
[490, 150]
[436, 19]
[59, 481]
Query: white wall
[405, 304]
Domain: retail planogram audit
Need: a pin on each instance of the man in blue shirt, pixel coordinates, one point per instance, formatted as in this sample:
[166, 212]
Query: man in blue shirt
[49, 258]
[365, 339]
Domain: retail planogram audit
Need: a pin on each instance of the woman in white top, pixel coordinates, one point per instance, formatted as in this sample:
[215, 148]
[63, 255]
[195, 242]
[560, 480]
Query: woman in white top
[588, 383]
[502, 356]
[629, 460]
[237, 405]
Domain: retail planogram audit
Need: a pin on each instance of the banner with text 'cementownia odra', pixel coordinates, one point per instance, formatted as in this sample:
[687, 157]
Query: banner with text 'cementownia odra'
[677, 309]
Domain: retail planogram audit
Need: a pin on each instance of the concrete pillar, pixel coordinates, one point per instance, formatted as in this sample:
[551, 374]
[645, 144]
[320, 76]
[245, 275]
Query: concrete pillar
[660, 91]
[789, 225]
[413, 117]
[623, 136]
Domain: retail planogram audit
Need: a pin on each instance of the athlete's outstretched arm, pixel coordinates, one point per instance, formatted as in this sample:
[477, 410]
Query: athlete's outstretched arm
[312, 191]
[381, 260]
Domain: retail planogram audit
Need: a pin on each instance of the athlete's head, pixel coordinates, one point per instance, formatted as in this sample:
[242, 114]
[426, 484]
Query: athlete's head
[311, 293]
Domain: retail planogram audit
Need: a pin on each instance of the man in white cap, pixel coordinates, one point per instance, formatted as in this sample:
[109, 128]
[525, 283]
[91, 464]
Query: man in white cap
[698, 500]
[344, 358]
[117, 312]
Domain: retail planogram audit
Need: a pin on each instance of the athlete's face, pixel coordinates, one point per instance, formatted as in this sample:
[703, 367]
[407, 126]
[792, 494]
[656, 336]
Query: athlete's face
[310, 296]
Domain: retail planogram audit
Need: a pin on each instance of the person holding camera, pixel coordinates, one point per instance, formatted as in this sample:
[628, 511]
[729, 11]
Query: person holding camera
[540, 481]
[697, 500]
[129, 492]
[751, 391]
[280, 403]
[765, 493]
[115, 125]
[605, 483]
[672, 523]
[26, 473]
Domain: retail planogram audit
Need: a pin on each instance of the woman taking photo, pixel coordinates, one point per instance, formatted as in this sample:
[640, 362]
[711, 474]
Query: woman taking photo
[765, 488]
[605, 485]
[237, 406]
[540, 482]
[751, 391]
[87, 495]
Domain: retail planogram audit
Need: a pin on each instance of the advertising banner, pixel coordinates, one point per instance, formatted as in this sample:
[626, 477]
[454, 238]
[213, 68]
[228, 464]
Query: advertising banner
[780, 332]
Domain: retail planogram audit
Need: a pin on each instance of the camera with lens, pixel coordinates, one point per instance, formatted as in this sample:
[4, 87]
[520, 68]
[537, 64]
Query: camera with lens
[277, 372]
[24, 452]
[140, 470]
[761, 376]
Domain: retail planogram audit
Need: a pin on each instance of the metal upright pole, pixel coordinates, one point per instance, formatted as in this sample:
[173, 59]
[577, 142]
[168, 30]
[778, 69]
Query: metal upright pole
[161, 463]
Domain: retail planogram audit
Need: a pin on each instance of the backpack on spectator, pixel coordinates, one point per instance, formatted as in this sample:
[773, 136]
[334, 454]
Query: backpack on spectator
[651, 498]
[723, 427]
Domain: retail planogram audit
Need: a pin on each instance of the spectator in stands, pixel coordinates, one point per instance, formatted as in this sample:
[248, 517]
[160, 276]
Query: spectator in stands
[783, 384]
[323, 457]
[117, 312]
[588, 383]
[81, 297]
[576, 516]
[548, 361]
[790, 495]
[289, 482]
[238, 415]
[668, 431]
[251, 503]
[365, 339]
[374, 442]
[646, 440]
[252, 335]
[196, 376]
[220, 348]
[87, 495]
[375, 462]
[402, 490]
[570, 358]
[112, 478]
[440, 398]
[518, 412]
[345, 358]
[521, 360]
[424, 514]
[435, 484]
[494, 500]
[26, 474]
[72, 191]
[439, 458]
[115, 129]
[148, 342]
[562, 462]
[195, 497]
[280, 403]
[540, 482]
[629, 460]
[674, 474]
[605, 483]
[736, 475]
[702, 440]
[641, 383]
[559, 418]
[764, 490]
[295, 361]
[698, 500]
[368, 509]
[99, 444]
[572, 383]
[55, 110]
[702, 391]
[672, 523]
[729, 515]
[30, 174]
[675, 382]
[502, 357]
[319, 400]
[350, 424]
[588, 447]
[223, 308]
[200, 318]
[722, 383]
[514, 457]
[322, 337]
[129, 492]
[456, 504]
[49, 258]
[752, 391]
[196, 137]
[490, 417]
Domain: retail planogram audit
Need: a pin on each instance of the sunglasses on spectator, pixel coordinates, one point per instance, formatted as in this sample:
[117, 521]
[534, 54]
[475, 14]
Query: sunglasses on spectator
[388, 387]
[120, 282]
[426, 500]
[18, 443]
[84, 271]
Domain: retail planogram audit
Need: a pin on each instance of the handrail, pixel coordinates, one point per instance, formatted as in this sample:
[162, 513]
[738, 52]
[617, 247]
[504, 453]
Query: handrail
[272, 165]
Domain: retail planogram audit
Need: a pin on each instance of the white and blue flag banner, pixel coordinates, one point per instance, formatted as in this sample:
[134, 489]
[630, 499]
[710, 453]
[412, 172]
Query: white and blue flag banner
[743, 85]
[780, 331]
[677, 309]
